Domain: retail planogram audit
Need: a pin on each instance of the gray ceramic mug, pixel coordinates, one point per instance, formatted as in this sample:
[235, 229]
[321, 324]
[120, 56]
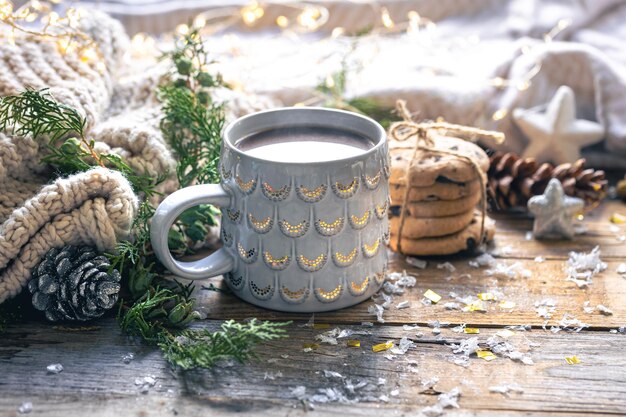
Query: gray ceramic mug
[298, 237]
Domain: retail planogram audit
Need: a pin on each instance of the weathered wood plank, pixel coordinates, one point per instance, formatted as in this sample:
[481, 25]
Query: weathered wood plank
[95, 381]
[546, 282]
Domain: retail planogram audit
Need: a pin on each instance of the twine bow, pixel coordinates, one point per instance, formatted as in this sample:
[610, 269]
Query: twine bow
[424, 142]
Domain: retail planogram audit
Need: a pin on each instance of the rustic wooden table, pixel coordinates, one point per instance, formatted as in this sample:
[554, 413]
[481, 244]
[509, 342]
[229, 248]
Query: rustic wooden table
[96, 380]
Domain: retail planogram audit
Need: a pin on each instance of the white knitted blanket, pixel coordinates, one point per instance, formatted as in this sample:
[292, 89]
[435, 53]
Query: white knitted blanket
[95, 207]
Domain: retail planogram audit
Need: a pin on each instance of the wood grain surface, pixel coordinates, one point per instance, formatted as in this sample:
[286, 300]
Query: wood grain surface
[96, 381]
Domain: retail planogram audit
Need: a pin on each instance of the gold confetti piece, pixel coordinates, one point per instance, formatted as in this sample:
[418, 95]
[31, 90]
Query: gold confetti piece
[354, 343]
[382, 346]
[475, 306]
[486, 355]
[318, 326]
[572, 360]
[505, 334]
[507, 304]
[310, 346]
[487, 296]
[618, 218]
[432, 296]
[471, 330]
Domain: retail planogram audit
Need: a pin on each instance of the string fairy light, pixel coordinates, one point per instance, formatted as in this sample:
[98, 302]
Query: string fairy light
[64, 30]
[296, 18]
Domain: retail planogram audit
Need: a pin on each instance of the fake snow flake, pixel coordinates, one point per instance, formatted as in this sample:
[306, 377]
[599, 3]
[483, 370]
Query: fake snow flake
[272, 375]
[384, 398]
[447, 266]
[55, 368]
[621, 269]
[367, 323]
[418, 263]
[299, 392]
[391, 288]
[514, 271]
[385, 298]
[506, 304]
[483, 260]
[506, 389]
[145, 383]
[381, 381]
[581, 267]
[540, 259]
[378, 311]
[452, 306]
[545, 308]
[444, 400]
[604, 310]
[128, 358]
[569, 323]
[572, 360]
[410, 328]
[25, 408]
[432, 296]
[332, 374]
[505, 333]
[403, 346]
[395, 393]
[403, 304]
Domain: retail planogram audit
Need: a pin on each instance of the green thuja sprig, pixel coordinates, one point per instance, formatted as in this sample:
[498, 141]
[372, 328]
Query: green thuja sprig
[202, 348]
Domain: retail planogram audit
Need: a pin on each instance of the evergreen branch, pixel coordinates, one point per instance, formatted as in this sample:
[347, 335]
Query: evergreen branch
[201, 348]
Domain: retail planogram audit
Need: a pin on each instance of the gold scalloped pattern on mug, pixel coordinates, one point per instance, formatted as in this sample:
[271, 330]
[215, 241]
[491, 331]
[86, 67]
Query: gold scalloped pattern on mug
[371, 250]
[311, 195]
[275, 194]
[227, 238]
[359, 289]
[294, 297]
[236, 283]
[381, 211]
[379, 277]
[233, 215]
[260, 226]
[360, 222]
[248, 256]
[329, 229]
[226, 175]
[312, 265]
[346, 190]
[262, 293]
[371, 183]
[293, 230]
[329, 296]
[342, 260]
[246, 187]
[277, 264]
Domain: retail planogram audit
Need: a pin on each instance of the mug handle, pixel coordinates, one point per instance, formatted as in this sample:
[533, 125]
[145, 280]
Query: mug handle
[168, 211]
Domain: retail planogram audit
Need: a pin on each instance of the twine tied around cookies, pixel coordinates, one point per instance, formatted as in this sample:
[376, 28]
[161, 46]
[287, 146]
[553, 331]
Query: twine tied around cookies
[424, 143]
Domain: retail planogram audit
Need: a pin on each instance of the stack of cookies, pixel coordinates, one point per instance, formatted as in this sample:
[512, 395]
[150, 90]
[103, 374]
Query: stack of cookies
[443, 192]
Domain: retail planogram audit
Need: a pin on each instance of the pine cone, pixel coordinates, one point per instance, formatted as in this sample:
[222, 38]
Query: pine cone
[512, 180]
[74, 283]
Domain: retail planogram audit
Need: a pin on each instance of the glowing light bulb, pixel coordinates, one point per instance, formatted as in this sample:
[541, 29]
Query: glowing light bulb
[282, 21]
[385, 17]
[309, 18]
[499, 114]
[199, 21]
[182, 29]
